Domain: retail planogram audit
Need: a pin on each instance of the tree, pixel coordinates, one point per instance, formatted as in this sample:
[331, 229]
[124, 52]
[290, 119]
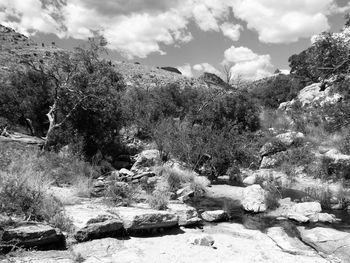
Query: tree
[83, 93]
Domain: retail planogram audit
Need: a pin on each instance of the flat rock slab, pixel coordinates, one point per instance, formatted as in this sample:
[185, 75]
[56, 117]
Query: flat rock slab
[52, 256]
[34, 235]
[289, 243]
[327, 241]
[187, 215]
[254, 199]
[139, 219]
[97, 248]
[93, 220]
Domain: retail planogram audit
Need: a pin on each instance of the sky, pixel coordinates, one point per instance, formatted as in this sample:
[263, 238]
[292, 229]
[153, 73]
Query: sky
[252, 37]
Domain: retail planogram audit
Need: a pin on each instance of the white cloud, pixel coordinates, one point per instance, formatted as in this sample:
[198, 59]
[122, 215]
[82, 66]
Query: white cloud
[247, 64]
[231, 31]
[206, 67]
[279, 21]
[186, 70]
[137, 28]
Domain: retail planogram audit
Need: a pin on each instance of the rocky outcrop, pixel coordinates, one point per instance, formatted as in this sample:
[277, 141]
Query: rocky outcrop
[302, 212]
[30, 235]
[187, 215]
[146, 159]
[93, 220]
[327, 241]
[215, 216]
[254, 199]
[289, 243]
[135, 219]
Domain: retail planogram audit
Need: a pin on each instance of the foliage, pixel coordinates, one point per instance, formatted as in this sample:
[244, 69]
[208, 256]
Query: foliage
[159, 200]
[121, 193]
[273, 91]
[175, 178]
[326, 57]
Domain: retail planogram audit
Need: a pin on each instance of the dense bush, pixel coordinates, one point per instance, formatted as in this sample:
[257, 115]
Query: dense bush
[271, 92]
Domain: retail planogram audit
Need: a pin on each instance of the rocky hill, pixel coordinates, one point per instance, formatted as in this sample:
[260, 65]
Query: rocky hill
[15, 47]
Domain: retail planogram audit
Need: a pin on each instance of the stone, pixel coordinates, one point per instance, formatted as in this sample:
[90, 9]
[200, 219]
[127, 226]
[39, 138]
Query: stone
[214, 216]
[34, 234]
[254, 199]
[289, 243]
[327, 241]
[99, 227]
[126, 172]
[281, 143]
[273, 160]
[307, 208]
[323, 218]
[187, 215]
[298, 217]
[251, 176]
[250, 180]
[203, 240]
[147, 158]
[144, 174]
[184, 194]
[139, 219]
[97, 248]
[93, 220]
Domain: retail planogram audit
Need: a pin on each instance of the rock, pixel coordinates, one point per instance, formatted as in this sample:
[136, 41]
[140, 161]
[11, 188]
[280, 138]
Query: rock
[34, 235]
[298, 217]
[97, 248]
[184, 194]
[138, 219]
[144, 174]
[327, 241]
[202, 240]
[147, 158]
[251, 176]
[323, 218]
[187, 215]
[289, 243]
[102, 226]
[254, 199]
[93, 220]
[273, 160]
[307, 208]
[281, 143]
[51, 256]
[126, 172]
[214, 216]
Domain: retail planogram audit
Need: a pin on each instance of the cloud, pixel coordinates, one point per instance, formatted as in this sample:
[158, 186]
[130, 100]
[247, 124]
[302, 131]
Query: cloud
[206, 67]
[186, 70]
[137, 28]
[283, 21]
[231, 31]
[247, 64]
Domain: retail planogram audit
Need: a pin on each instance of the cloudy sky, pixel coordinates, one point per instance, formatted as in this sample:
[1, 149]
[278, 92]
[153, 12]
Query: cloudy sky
[253, 36]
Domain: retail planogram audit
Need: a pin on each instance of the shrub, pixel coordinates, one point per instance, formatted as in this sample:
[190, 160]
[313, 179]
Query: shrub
[174, 179]
[121, 193]
[321, 194]
[23, 192]
[273, 190]
[158, 199]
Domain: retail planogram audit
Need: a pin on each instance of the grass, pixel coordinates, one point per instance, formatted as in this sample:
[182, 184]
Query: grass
[176, 178]
[158, 200]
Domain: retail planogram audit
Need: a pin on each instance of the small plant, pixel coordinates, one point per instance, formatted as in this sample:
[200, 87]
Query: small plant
[272, 188]
[158, 200]
[321, 194]
[122, 193]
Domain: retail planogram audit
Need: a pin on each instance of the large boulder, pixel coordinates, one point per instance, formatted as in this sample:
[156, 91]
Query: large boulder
[187, 215]
[146, 159]
[135, 219]
[33, 234]
[254, 199]
[273, 160]
[215, 216]
[327, 241]
[281, 143]
[93, 220]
